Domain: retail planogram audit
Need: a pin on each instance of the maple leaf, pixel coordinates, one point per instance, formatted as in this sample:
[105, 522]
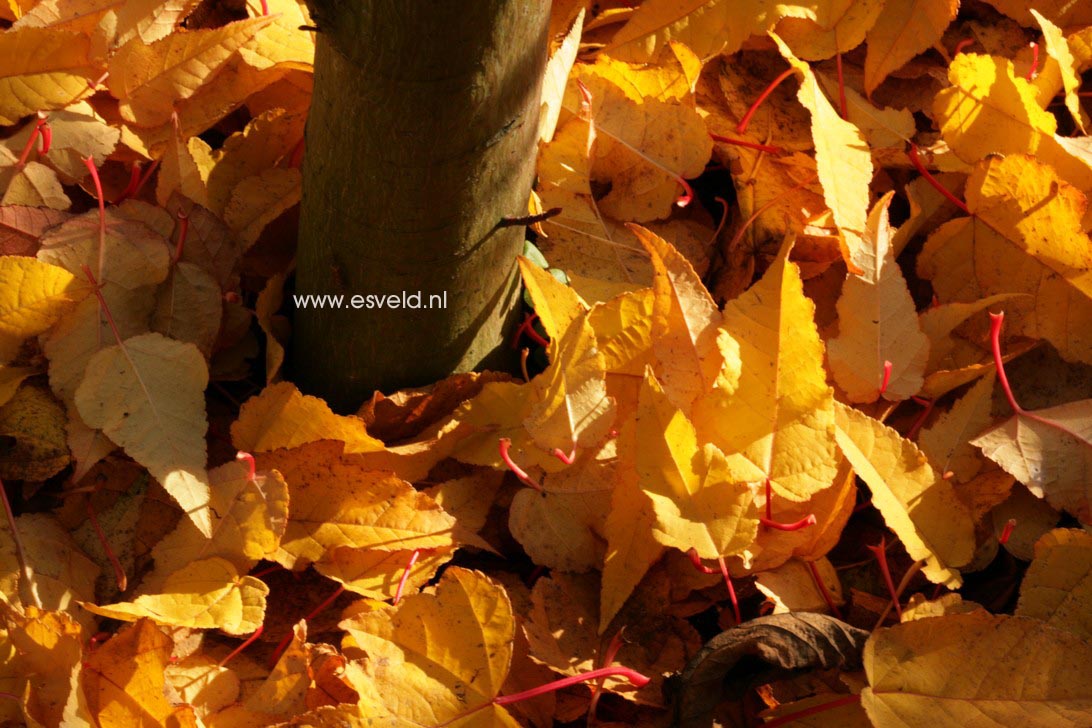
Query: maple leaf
[1025, 236]
[880, 350]
[781, 415]
[916, 503]
[422, 668]
[702, 500]
[949, 670]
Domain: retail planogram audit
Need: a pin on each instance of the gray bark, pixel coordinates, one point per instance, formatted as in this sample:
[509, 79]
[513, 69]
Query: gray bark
[421, 138]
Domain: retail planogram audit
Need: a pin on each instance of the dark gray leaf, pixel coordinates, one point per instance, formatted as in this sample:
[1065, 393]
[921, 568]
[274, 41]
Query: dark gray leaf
[725, 668]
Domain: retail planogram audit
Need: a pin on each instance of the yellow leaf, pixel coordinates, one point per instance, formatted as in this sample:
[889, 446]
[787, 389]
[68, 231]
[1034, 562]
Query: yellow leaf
[259, 200]
[947, 441]
[282, 41]
[1057, 587]
[880, 345]
[623, 331]
[124, 678]
[556, 304]
[1049, 451]
[571, 408]
[916, 503]
[671, 78]
[184, 169]
[32, 422]
[843, 159]
[902, 31]
[641, 148]
[282, 417]
[150, 19]
[148, 395]
[148, 79]
[707, 27]
[988, 110]
[33, 298]
[1060, 12]
[976, 669]
[1025, 237]
[556, 77]
[43, 69]
[631, 546]
[792, 588]
[266, 140]
[781, 416]
[377, 574]
[337, 501]
[62, 573]
[46, 649]
[702, 500]
[424, 670]
[189, 305]
[560, 530]
[248, 520]
[34, 184]
[205, 594]
[688, 350]
[821, 30]
[1058, 49]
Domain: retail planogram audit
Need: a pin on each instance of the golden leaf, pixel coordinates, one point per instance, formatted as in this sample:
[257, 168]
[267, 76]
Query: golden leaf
[337, 501]
[204, 594]
[975, 669]
[781, 416]
[916, 503]
[1025, 236]
[42, 69]
[424, 671]
[124, 678]
[702, 499]
[148, 79]
[1057, 587]
[32, 299]
[902, 31]
[880, 350]
[988, 110]
[148, 395]
[843, 159]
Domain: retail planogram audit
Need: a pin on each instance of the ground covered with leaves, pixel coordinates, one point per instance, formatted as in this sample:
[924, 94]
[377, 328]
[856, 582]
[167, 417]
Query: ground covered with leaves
[777, 456]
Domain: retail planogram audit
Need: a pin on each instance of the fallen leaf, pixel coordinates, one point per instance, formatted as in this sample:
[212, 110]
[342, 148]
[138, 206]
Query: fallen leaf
[248, 521]
[33, 298]
[337, 501]
[1025, 237]
[842, 158]
[124, 678]
[880, 350]
[916, 503]
[147, 79]
[423, 669]
[902, 31]
[786, 641]
[781, 415]
[702, 499]
[1049, 451]
[204, 594]
[43, 69]
[953, 671]
[147, 395]
[988, 110]
[1058, 584]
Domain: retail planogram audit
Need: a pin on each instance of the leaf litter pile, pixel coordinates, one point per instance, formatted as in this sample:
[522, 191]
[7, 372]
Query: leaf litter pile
[808, 440]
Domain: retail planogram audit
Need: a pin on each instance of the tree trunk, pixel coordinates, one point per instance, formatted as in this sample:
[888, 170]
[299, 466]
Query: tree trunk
[421, 138]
